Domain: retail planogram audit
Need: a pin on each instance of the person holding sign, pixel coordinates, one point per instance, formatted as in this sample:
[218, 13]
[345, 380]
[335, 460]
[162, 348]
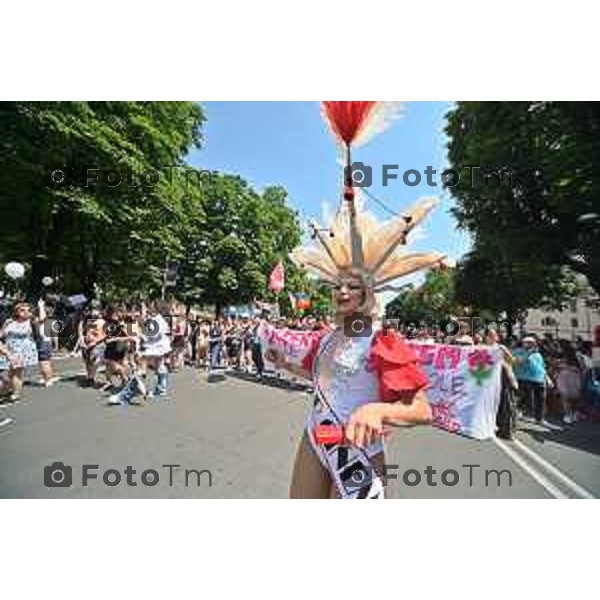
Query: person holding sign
[365, 379]
[363, 385]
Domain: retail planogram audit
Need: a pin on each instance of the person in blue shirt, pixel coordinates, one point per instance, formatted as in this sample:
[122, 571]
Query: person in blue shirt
[530, 370]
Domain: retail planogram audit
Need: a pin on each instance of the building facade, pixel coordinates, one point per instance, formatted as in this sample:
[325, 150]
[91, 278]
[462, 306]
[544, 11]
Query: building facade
[581, 319]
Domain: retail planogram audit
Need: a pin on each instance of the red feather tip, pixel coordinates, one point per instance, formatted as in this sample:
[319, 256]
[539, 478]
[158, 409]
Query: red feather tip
[347, 119]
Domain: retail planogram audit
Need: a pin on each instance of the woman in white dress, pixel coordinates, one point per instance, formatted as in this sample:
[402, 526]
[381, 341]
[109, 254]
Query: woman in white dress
[19, 336]
[362, 385]
[156, 346]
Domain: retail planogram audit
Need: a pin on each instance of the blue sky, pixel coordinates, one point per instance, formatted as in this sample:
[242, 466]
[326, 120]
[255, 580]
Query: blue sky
[288, 143]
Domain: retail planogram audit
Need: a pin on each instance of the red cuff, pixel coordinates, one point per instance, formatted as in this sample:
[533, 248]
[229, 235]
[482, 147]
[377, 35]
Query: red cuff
[396, 365]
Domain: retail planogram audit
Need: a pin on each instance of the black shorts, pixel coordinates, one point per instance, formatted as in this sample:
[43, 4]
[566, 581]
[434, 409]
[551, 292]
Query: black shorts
[115, 352]
[45, 351]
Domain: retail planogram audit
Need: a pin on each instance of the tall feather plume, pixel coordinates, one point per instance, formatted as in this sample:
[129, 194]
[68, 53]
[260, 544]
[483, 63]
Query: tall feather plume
[352, 123]
[382, 244]
[356, 238]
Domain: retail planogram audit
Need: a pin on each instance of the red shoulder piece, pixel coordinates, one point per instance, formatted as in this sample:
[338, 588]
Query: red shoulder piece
[396, 365]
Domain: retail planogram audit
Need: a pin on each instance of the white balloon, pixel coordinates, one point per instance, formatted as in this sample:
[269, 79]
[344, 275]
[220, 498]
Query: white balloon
[14, 270]
[47, 280]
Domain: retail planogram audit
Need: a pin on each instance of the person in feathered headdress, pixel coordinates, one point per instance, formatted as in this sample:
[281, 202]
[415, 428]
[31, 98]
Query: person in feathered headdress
[364, 378]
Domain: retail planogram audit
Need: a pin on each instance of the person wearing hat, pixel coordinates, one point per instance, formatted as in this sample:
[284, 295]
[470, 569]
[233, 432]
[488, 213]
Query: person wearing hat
[530, 370]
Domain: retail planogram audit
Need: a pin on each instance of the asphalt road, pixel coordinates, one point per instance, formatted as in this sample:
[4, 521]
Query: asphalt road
[236, 439]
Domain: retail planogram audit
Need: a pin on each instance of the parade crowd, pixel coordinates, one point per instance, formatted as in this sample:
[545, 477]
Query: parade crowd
[123, 346]
[541, 375]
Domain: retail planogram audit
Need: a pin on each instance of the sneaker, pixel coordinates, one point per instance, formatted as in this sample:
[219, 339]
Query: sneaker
[14, 398]
[160, 393]
[115, 400]
[568, 419]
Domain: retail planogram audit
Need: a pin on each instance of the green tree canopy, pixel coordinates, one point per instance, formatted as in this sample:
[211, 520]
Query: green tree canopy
[432, 300]
[231, 252]
[548, 218]
[95, 231]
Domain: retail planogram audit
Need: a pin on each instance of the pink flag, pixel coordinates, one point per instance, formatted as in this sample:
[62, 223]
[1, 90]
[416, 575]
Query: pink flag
[277, 279]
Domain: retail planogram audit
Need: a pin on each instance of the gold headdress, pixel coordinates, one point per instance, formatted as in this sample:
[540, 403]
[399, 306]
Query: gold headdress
[356, 240]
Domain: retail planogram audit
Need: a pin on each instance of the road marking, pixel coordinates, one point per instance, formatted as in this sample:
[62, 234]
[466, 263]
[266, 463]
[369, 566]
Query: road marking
[5, 421]
[531, 471]
[579, 491]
